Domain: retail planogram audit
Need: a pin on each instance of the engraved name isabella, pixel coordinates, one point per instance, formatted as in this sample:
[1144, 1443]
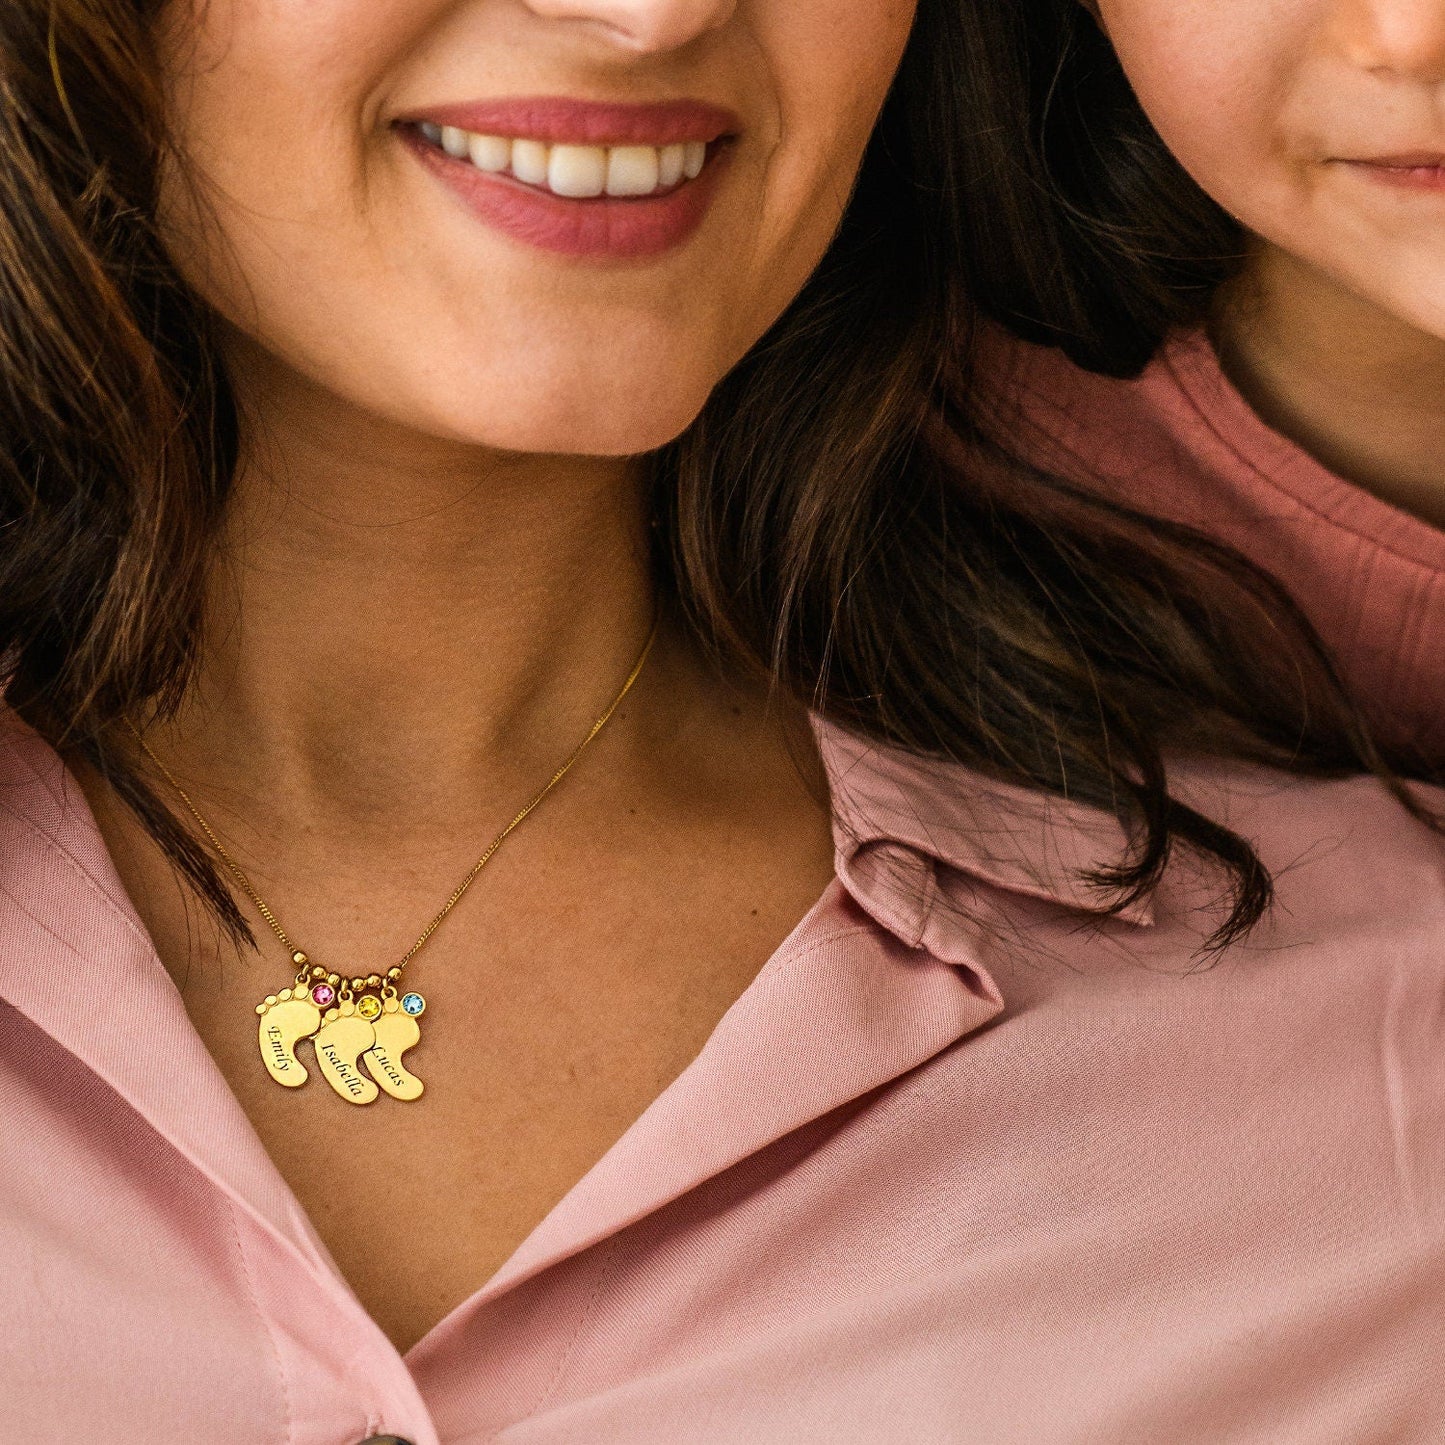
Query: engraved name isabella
[342, 1069]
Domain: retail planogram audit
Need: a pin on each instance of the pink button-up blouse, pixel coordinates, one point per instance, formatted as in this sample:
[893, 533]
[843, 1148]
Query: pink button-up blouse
[959, 1165]
[964, 1163]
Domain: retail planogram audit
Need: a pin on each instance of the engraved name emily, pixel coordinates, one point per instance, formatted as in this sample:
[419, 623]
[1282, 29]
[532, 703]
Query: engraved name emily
[278, 1049]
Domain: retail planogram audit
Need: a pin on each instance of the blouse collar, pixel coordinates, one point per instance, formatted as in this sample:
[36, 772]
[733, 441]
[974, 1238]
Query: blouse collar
[898, 817]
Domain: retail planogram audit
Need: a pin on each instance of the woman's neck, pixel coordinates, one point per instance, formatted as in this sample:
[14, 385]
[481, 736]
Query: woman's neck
[1356, 387]
[394, 618]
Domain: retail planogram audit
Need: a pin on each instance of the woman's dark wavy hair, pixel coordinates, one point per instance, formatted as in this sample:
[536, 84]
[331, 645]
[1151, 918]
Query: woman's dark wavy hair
[841, 515]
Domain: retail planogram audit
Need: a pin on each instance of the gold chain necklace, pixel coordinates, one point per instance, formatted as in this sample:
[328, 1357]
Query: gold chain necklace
[360, 1026]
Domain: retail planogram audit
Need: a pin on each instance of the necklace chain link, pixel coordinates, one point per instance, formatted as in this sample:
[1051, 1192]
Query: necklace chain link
[266, 912]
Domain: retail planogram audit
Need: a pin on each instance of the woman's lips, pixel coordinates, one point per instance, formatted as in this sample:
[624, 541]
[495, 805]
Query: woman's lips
[579, 178]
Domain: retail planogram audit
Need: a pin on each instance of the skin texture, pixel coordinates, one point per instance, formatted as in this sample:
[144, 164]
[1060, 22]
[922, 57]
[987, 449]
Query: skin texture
[1336, 331]
[434, 577]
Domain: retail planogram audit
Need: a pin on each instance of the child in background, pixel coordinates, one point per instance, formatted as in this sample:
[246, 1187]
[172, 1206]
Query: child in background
[1229, 216]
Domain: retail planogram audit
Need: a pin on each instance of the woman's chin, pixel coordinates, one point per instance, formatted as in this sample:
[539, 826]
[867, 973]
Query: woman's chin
[604, 437]
[569, 424]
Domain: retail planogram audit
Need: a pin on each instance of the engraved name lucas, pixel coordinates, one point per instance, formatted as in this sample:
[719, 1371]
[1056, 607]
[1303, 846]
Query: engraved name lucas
[396, 1032]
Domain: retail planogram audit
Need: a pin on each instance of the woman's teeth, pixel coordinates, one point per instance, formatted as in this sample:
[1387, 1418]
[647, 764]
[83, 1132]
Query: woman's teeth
[575, 171]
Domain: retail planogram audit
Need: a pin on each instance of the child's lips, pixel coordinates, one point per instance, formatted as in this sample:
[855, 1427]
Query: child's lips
[1404, 170]
[1406, 161]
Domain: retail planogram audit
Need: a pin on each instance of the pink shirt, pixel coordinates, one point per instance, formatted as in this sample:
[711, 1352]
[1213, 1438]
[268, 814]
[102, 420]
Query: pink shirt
[1182, 443]
[961, 1164]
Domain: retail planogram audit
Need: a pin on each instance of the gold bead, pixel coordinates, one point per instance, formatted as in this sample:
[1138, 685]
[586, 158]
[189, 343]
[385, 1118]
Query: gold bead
[373, 980]
[298, 958]
[317, 971]
[333, 979]
[393, 973]
[358, 983]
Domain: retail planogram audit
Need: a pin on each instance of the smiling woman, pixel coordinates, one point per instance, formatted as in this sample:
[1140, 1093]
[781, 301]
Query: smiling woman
[313, 182]
[495, 499]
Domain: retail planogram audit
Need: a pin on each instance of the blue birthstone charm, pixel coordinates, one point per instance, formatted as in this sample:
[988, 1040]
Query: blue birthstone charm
[413, 1003]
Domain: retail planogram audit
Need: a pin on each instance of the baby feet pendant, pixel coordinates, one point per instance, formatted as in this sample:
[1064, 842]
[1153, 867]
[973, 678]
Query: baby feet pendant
[286, 1018]
[342, 1040]
[359, 1041]
[396, 1031]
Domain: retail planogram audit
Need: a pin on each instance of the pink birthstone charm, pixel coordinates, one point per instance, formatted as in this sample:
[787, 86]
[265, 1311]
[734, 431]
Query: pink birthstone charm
[323, 995]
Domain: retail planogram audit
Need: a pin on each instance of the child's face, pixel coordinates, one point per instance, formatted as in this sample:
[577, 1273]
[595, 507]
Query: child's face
[1320, 124]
